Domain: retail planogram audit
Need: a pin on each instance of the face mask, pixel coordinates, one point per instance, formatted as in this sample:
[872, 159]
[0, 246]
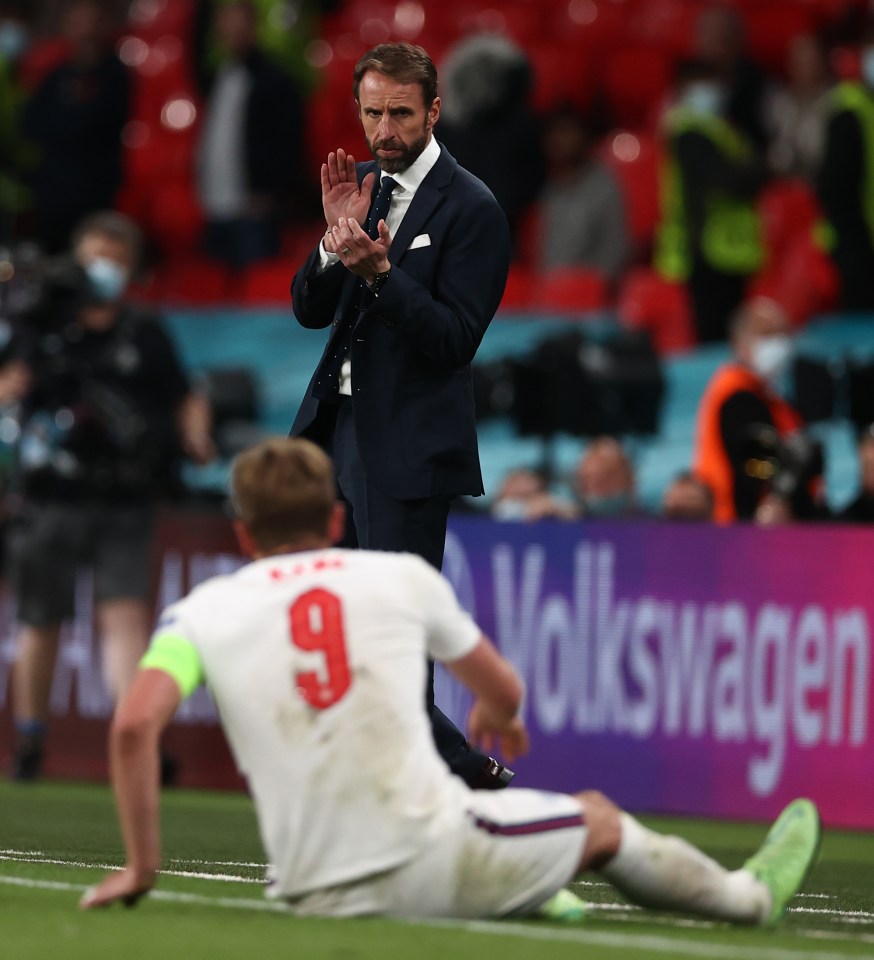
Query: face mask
[107, 279]
[867, 65]
[771, 356]
[13, 40]
[613, 505]
[703, 98]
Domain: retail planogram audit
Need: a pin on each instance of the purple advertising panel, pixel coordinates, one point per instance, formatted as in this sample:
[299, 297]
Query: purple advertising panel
[683, 668]
[678, 668]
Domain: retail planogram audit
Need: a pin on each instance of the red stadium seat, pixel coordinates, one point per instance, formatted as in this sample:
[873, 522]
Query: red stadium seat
[569, 289]
[562, 74]
[517, 293]
[668, 25]
[194, 280]
[803, 281]
[788, 209]
[634, 160]
[588, 25]
[649, 302]
[268, 282]
[772, 27]
[174, 217]
[635, 81]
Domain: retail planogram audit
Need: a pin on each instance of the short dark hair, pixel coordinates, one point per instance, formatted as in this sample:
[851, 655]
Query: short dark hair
[694, 70]
[404, 63]
[111, 223]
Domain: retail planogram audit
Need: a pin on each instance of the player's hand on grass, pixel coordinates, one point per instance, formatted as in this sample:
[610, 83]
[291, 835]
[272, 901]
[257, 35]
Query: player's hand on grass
[125, 886]
[492, 734]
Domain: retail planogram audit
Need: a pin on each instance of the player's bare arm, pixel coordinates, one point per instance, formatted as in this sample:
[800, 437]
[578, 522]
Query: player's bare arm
[135, 770]
[494, 719]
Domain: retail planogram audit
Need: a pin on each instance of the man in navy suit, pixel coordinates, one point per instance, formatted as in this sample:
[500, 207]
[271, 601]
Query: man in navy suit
[408, 276]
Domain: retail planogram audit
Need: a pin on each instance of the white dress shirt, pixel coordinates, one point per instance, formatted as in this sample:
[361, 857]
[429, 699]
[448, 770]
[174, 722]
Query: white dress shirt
[408, 182]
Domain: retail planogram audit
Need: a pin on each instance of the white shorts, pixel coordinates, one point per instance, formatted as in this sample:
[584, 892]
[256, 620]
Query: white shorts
[503, 854]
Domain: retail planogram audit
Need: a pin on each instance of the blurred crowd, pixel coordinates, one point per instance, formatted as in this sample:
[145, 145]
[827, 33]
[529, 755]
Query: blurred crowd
[705, 194]
[204, 121]
[754, 458]
[699, 166]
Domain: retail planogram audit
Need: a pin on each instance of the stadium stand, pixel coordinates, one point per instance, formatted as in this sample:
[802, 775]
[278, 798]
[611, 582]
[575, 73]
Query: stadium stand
[616, 56]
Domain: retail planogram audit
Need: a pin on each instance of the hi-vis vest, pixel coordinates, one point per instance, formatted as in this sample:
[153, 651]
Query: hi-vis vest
[731, 241]
[858, 100]
[711, 462]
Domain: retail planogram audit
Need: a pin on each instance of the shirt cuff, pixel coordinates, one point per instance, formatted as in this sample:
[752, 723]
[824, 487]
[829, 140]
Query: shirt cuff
[326, 259]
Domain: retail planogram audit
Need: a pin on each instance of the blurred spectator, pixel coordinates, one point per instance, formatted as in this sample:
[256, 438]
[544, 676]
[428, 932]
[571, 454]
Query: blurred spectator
[861, 510]
[744, 428]
[105, 411]
[487, 124]
[14, 154]
[710, 234]
[75, 118]
[251, 150]
[687, 498]
[798, 112]
[604, 481]
[719, 41]
[524, 495]
[285, 29]
[582, 212]
[846, 183]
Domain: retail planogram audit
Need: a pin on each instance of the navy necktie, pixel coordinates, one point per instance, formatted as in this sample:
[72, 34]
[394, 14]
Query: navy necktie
[343, 342]
[379, 210]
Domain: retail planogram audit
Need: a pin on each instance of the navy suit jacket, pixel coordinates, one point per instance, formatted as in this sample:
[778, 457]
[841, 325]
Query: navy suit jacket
[412, 347]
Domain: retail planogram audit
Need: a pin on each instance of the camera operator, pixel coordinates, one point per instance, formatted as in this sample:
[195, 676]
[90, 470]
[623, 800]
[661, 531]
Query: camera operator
[105, 412]
[749, 446]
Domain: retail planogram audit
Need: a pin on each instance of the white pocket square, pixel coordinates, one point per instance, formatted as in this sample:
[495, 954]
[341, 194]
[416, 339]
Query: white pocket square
[423, 240]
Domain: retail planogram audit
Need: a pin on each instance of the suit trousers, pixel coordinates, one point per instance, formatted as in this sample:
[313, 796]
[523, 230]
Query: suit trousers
[376, 521]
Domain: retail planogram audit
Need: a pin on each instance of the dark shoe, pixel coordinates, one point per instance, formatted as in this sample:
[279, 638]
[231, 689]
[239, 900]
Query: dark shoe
[493, 776]
[27, 759]
[169, 770]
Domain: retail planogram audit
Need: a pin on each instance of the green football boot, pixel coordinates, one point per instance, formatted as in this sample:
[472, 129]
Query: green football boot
[785, 858]
[563, 907]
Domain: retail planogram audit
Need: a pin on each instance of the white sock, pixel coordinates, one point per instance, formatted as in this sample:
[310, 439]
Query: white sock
[668, 873]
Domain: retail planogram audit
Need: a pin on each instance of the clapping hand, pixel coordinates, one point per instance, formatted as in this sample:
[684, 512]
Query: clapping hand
[341, 195]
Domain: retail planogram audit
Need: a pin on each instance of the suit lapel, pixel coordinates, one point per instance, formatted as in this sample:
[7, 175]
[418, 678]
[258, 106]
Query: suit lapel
[428, 197]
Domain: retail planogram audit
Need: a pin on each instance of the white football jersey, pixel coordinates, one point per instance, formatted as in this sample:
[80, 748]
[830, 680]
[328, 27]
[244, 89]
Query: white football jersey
[317, 663]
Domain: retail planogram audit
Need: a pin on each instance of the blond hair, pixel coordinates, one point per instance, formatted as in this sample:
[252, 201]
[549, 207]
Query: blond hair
[283, 490]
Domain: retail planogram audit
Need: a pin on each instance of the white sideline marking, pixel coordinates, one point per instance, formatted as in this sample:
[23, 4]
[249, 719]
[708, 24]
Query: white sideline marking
[235, 903]
[191, 874]
[37, 856]
[617, 941]
[215, 863]
[852, 916]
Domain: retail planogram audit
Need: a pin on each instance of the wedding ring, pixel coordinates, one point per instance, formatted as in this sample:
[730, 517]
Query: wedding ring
[346, 251]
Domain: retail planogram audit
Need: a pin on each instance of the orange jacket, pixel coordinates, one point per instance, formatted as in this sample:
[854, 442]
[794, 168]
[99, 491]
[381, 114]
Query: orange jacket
[711, 461]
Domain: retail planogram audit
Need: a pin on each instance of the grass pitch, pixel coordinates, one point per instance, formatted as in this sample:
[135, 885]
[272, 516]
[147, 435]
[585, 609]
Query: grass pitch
[57, 839]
